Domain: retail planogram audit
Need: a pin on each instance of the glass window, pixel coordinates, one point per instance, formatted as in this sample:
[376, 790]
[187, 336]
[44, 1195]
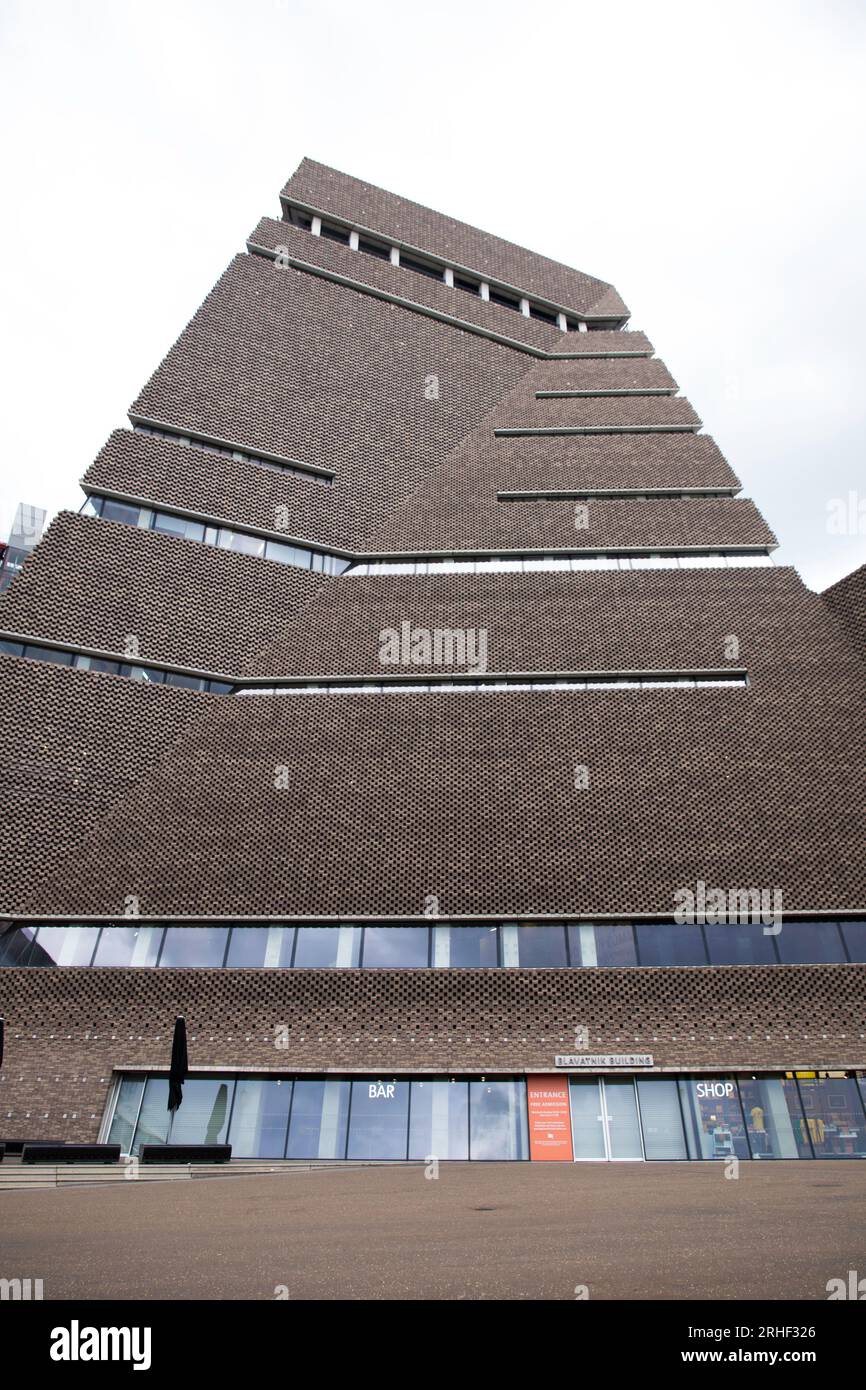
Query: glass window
[17, 946]
[439, 1120]
[663, 943]
[541, 946]
[834, 1114]
[181, 526]
[855, 939]
[739, 943]
[185, 682]
[393, 947]
[473, 946]
[497, 1119]
[379, 1119]
[327, 946]
[108, 668]
[713, 1118]
[587, 1133]
[260, 1118]
[147, 675]
[288, 554]
[774, 1117]
[661, 1119]
[203, 1117]
[238, 540]
[320, 1111]
[608, 946]
[152, 1127]
[194, 946]
[805, 943]
[261, 946]
[57, 658]
[119, 511]
[128, 946]
[67, 945]
[11, 648]
[126, 1112]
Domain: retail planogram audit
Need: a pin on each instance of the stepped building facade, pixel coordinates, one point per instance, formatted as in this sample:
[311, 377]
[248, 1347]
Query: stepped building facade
[416, 707]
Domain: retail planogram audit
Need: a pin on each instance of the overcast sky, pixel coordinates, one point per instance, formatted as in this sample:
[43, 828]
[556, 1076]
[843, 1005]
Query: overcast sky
[706, 158]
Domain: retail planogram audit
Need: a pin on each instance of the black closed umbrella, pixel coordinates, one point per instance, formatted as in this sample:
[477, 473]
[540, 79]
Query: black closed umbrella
[179, 1066]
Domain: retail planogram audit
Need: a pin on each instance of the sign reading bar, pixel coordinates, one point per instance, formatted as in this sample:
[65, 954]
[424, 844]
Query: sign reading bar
[606, 1059]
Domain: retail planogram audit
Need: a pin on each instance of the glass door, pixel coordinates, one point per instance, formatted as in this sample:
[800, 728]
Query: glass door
[604, 1119]
[587, 1121]
[621, 1121]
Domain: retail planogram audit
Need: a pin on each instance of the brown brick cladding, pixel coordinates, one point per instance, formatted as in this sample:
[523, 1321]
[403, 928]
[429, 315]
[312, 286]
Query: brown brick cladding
[71, 742]
[601, 412]
[602, 373]
[94, 583]
[243, 493]
[284, 362]
[408, 284]
[594, 620]
[533, 525]
[364, 205]
[472, 796]
[67, 1029]
[847, 601]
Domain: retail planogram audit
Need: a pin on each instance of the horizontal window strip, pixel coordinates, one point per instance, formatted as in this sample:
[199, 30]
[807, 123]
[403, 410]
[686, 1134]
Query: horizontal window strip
[748, 941]
[108, 663]
[551, 432]
[188, 678]
[497, 681]
[635, 494]
[644, 559]
[209, 445]
[414, 306]
[451, 273]
[211, 531]
[611, 391]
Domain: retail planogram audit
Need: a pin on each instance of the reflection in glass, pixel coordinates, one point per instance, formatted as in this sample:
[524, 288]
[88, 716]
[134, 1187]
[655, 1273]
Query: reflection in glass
[260, 1117]
[774, 1118]
[855, 939]
[670, 943]
[317, 1128]
[396, 946]
[126, 1112]
[497, 1119]
[379, 1119]
[834, 1114]
[261, 946]
[808, 943]
[17, 946]
[153, 1118]
[661, 1119]
[473, 946]
[327, 946]
[601, 945]
[713, 1118]
[739, 943]
[439, 1120]
[194, 946]
[542, 946]
[128, 946]
[67, 945]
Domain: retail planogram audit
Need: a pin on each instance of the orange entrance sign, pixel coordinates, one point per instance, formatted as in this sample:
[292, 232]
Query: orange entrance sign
[549, 1119]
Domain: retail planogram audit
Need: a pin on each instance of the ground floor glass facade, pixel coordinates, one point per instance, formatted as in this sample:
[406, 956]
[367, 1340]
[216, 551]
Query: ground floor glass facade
[611, 1118]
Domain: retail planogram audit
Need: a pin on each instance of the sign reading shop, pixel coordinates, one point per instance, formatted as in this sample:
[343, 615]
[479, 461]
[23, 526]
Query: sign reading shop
[605, 1059]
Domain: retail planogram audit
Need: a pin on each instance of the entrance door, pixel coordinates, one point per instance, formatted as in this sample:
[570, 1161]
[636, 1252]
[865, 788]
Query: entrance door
[604, 1119]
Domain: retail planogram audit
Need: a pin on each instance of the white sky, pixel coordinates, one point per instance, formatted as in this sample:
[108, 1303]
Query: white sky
[706, 158]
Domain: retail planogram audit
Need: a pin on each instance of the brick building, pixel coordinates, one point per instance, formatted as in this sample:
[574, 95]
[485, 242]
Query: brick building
[416, 707]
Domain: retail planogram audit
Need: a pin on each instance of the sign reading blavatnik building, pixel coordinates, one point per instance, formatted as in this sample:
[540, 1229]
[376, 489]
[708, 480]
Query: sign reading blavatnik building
[414, 659]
